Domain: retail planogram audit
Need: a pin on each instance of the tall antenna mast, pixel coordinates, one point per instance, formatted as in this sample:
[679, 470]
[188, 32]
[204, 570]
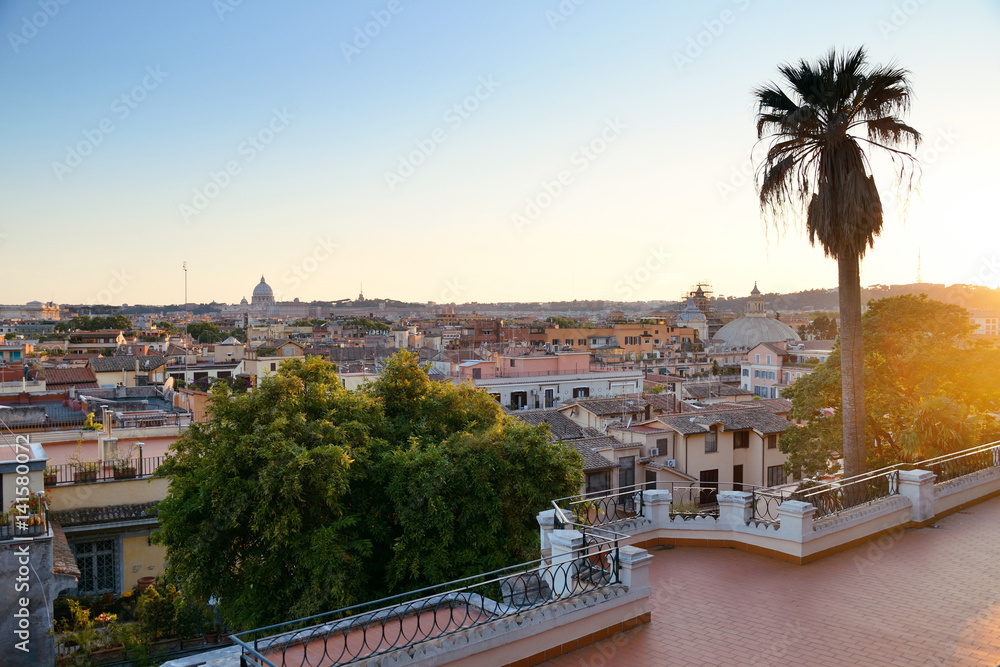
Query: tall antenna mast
[184, 265]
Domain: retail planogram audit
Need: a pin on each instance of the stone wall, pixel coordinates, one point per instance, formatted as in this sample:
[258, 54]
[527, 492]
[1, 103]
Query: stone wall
[26, 577]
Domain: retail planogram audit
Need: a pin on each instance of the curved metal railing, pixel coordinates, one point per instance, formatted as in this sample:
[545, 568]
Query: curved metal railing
[373, 629]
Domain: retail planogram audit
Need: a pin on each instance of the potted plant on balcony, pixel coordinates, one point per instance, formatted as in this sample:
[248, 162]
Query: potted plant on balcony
[124, 464]
[109, 645]
[51, 477]
[156, 615]
[84, 470]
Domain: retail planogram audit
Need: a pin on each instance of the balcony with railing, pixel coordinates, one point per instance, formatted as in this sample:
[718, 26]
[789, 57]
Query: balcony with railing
[88, 472]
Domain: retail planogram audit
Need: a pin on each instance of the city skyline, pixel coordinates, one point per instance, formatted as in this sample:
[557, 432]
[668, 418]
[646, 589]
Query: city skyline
[526, 152]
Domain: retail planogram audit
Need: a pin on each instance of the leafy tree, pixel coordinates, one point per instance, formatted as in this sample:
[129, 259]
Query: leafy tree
[922, 400]
[98, 323]
[169, 327]
[816, 161]
[205, 332]
[302, 497]
[364, 325]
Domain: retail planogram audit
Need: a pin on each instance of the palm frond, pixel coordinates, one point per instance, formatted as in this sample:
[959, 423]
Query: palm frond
[814, 162]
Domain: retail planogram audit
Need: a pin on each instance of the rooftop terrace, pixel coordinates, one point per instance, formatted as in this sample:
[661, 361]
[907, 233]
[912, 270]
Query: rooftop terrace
[916, 597]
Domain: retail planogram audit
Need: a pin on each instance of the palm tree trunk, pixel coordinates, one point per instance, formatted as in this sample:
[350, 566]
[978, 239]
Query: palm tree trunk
[852, 370]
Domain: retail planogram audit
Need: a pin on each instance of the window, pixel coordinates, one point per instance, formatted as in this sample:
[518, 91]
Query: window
[581, 392]
[769, 360]
[775, 475]
[758, 359]
[555, 341]
[477, 373]
[98, 564]
[772, 442]
[661, 444]
[274, 366]
[511, 363]
[738, 478]
[746, 372]
[626, 472]
[656, 341]
[599, 481]
[741, 440]
[550, 396]
[711, 444]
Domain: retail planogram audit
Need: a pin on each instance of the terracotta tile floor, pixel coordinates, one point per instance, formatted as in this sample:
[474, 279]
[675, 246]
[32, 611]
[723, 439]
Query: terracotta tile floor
[919, 597]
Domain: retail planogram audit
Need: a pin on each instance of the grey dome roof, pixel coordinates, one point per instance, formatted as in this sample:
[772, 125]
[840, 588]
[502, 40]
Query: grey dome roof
[751, 330]
[691, 313]
[262, 289]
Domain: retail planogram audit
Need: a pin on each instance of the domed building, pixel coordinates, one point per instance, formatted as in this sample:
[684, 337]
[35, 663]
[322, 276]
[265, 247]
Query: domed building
[754, 327]
[694, 318]
[263, 295]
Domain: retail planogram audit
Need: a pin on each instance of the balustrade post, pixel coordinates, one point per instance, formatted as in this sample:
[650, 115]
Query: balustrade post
[656, 505]
[796, 519]
[918, 486]
[567, 547]
[735, 508]
[546, 524]
[633, 568]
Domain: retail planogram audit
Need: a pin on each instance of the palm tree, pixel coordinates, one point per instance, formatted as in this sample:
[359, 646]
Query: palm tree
[817, 134]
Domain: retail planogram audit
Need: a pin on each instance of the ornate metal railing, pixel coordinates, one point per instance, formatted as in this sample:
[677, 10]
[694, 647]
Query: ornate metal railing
[85, 473]
[369, 630]
[691, 499]
[601, 508]
[950, 466]
[836, 497]
[765, 503]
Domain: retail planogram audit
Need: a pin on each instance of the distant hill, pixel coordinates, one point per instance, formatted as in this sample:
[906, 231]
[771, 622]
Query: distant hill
[973, 297]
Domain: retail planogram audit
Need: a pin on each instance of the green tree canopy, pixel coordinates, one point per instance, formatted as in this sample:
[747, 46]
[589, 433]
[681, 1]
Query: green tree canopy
[360, 324]
[930, 389]
[303, 497]
[205, 332]
[97, 323]
[169, 327]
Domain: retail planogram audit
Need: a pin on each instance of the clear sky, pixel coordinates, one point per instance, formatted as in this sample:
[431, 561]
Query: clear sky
[261, 137]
